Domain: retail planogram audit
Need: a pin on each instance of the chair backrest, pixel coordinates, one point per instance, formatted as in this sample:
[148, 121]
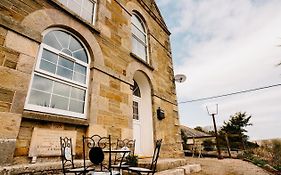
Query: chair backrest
[66, 153]
[94, 147]
[124, 144]
[155, 155]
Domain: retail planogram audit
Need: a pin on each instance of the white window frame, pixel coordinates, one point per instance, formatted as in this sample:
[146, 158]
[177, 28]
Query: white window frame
[60, 79]
[146, 59]
[93, 20]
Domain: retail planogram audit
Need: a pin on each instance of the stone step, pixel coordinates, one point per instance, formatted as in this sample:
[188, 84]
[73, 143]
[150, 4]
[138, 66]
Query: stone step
[183, 170]
[164, 163]
[171, 172]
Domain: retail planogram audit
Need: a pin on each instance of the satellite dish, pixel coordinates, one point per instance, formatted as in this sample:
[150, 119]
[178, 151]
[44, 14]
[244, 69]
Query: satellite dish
[180, 78]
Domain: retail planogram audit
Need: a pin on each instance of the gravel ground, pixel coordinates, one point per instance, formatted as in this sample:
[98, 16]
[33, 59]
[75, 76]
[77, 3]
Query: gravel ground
[213, 166]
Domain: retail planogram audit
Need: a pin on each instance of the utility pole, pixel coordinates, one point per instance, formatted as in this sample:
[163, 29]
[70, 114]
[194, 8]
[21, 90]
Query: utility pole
[213, 112]
[228, 145]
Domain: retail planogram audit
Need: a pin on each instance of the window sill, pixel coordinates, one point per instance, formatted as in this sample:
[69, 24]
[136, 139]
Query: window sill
[54, 118]
[76, 16]
[141, 61]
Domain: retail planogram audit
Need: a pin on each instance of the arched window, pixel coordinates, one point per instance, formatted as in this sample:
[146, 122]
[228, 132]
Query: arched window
[136, 90]
[60, 79]
[139, 38]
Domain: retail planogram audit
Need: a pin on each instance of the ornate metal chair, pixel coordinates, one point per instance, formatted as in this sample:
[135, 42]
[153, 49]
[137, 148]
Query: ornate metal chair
[126, 144]
[67, 158]
[152, 169]
[94, 148]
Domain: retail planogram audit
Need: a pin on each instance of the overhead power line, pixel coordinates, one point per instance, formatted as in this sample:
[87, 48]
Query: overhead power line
[229, 94]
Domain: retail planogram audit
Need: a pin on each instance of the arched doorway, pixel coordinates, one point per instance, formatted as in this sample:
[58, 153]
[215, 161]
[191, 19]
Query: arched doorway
[142, 115]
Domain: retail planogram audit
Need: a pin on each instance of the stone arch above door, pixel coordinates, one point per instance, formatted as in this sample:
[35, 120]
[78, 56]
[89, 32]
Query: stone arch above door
[134, 67]
[41, 20]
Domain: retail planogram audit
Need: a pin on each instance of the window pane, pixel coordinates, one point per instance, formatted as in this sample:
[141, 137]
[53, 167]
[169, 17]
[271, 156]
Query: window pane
[74, 45]
[136, 89]
[39, 98]
[64, 72]
[67, 51]
[142, 51]
[59, 102]
[78, 94]
[79, 78]
[76, 106]
[138, 34]
[135, 110]
[66, 63]
[87, 15]
[42, 84]
[47, 66]
[50, 56]
[81, 55]
[62, 37]
[84, 10]
[51, 40]
[73, 5]
[139, 49]
[135, 46]
[80, 69]
[137, 22]
[78, 1]
[88, 6]
[61, 89]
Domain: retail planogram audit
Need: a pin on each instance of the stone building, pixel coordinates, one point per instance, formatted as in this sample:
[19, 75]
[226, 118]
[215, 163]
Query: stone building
[84, 67]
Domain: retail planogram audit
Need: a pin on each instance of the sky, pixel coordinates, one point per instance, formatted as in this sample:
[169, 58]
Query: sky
[225, 46]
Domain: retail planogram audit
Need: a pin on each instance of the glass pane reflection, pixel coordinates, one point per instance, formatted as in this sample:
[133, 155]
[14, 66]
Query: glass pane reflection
[61, 89]
[66, 63]
[64, 72]
[76, 106]
[50, 56]
[81, 55]
[39, 98]
[47, 66]
[59, 102]
[42, 84]
[51, 40]
[78, 94]
[79, 78]
[80, 69]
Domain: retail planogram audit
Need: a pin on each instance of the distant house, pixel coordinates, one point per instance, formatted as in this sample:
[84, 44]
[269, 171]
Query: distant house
[193, 138]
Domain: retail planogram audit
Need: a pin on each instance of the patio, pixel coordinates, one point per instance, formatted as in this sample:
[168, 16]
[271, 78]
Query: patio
[165, 166]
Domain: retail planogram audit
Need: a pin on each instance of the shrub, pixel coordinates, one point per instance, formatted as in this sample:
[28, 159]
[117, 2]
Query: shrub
[208, 145]
[132, 160]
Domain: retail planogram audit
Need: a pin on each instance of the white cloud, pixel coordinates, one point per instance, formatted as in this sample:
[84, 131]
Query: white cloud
[229, 46]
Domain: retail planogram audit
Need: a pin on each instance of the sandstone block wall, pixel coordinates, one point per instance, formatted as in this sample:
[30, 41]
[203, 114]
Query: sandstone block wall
[112, 69]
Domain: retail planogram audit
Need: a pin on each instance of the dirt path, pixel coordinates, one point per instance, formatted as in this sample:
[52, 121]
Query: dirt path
[213, 166]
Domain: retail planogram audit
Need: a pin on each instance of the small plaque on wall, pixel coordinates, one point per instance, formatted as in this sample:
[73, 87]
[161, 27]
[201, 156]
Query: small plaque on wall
[46, 142]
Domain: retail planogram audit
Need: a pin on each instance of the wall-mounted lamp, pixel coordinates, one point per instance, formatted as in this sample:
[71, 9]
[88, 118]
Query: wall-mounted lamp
[160, 113]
